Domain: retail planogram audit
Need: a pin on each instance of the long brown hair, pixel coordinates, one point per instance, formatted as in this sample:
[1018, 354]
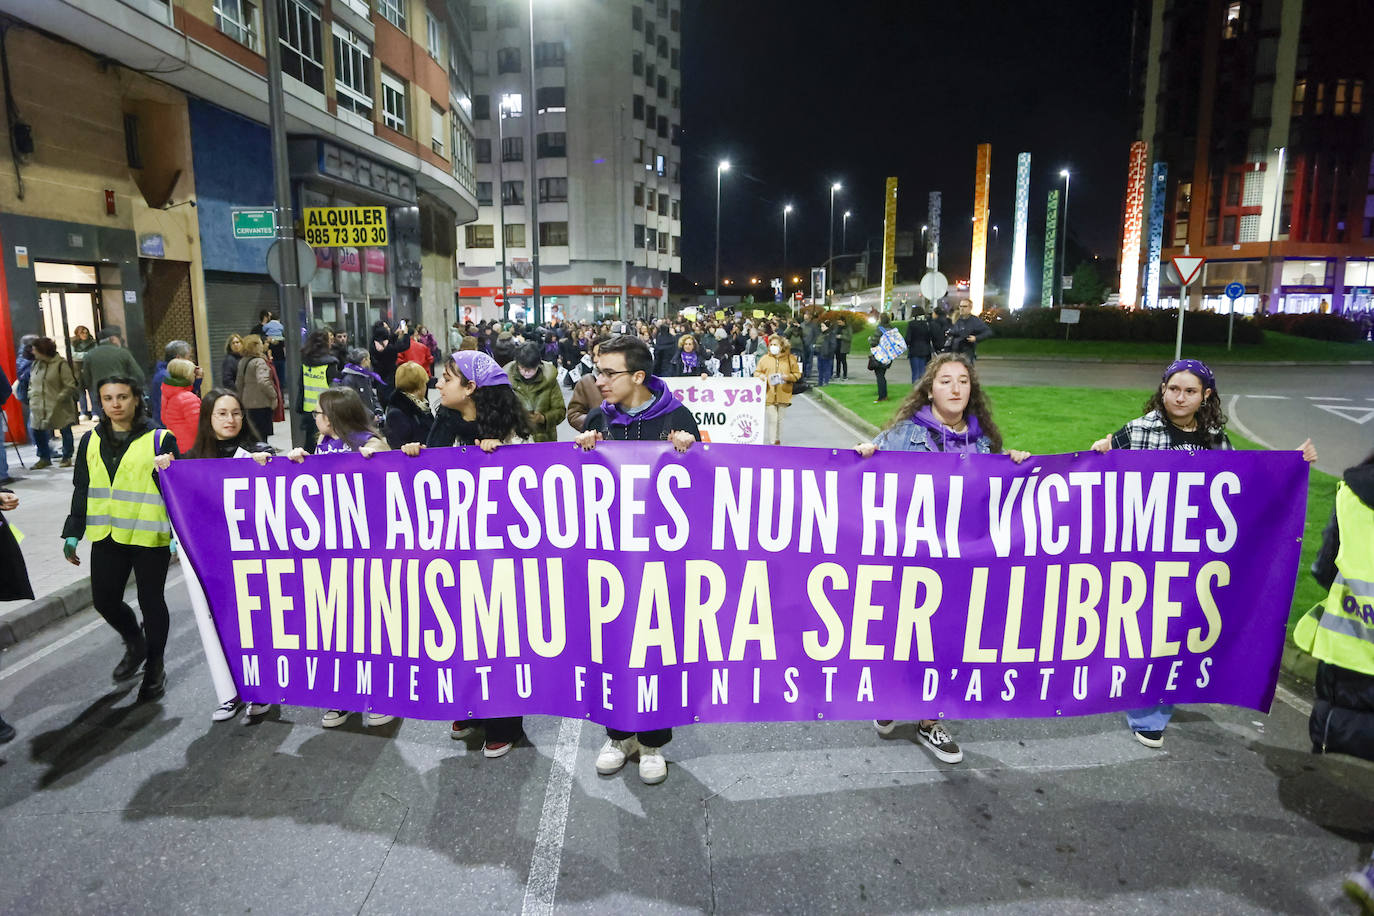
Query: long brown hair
[207, 443]
[1211, 422]
[978, 404]
[346, 415]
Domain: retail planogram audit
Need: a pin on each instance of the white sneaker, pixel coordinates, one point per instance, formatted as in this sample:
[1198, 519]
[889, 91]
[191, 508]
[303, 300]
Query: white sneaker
[614, 753]
[257, 709]
[885, 726]
[653, 769]
[334, 718]
[373, 719]
[226, 710]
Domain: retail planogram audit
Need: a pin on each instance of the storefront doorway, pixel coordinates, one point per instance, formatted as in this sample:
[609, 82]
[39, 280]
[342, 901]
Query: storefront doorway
[68, 297]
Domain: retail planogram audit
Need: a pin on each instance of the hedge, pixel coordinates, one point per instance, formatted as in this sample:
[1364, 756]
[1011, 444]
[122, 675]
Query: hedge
[1104, 323]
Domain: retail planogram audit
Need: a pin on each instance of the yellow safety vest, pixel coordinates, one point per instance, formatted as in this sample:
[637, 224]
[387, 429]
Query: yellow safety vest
[314, 379]
[128, 509]
[1340, 630]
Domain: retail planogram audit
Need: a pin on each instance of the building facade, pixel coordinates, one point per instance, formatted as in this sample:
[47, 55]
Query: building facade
[586, 133]
[1258, 109]
[144, 130]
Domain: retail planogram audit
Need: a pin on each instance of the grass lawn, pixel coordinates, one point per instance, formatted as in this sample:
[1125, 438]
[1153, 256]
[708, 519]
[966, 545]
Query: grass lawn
[1276, 347]
[1048, 421]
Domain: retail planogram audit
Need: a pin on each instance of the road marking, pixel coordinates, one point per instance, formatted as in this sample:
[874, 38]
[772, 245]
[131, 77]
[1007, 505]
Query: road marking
[1268, 397]
[1327, 399]
[542, 884]
[66, 640]
[1244, 430]
[1292, 699]
[1360, 415]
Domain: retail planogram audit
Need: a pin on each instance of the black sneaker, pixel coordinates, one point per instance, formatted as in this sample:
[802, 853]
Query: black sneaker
[1150, 739]
[938, 739]
[154, 684]
[7, 732]
[135, 653]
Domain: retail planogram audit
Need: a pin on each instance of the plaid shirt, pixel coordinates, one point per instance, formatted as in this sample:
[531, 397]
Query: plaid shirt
[1154, 432]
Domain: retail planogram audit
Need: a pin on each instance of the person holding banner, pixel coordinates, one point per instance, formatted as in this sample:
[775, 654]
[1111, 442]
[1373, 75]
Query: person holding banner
[482, 410]
[946, 411]
[638, 407]
[778, 369]
[117, 503]
[222, 431]
[1183, 413]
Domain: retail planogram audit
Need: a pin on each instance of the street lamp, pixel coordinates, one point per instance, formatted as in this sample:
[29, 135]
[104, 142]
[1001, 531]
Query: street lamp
[1063, 237]
[844, 231]
[830, 260]
[785, 210]
[721, 168]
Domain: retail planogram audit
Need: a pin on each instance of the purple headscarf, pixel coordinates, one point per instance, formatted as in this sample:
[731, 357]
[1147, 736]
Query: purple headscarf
[479, 368]
[1197, 367]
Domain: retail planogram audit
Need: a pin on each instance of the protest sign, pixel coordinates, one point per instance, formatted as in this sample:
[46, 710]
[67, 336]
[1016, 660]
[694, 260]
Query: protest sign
[726, 409]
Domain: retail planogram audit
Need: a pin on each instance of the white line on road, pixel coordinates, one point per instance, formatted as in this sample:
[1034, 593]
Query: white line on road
[66, 641]
[1293, 700]
[1327, 399]
[1244, 430]
[1268, 397]
[542, 883]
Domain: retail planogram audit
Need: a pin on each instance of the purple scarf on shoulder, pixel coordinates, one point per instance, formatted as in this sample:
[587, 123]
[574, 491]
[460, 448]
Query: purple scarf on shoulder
[966, 441]
[664, 404]
[328, 445]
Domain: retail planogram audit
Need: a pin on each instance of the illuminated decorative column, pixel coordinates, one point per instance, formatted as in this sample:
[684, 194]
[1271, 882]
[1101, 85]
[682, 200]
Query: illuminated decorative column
[1051, 243]
[1016, 294]
[982, 180]
[1134, 216]
[1159, 183]
[889, 242]
[933, 221]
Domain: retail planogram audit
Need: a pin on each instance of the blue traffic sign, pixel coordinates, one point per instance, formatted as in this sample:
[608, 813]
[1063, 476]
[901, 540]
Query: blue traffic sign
[1235, 290]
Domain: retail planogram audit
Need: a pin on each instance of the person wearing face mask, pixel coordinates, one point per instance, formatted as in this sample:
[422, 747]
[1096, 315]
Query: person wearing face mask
[535, 383]
[945, 412]
[778, 369]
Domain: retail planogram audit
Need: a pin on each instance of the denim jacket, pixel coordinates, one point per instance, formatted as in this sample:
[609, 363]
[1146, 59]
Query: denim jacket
[909, 437]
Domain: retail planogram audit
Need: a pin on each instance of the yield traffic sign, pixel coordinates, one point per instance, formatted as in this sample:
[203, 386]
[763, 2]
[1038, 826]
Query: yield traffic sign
[1188, 267]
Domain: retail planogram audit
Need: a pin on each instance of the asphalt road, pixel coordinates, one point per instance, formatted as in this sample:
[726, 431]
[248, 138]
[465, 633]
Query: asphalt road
[111, 807]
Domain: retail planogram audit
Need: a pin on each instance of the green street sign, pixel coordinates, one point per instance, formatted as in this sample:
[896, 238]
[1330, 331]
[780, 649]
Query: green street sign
[254, 224]
[710, 292]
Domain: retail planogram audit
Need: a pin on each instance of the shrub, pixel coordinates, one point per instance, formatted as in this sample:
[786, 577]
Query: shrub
[1103, 323]
[1317, 327]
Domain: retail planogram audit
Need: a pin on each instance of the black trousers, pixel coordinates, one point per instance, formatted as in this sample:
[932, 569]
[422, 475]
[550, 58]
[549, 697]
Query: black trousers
[312, 432]
[504, 731]
[842, 365]
[111, 564]
[261, 418]
[881, 373]
[656, 738]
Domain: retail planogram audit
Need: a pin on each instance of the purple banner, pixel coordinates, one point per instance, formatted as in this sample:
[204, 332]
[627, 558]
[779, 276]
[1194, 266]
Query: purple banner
[639, 588]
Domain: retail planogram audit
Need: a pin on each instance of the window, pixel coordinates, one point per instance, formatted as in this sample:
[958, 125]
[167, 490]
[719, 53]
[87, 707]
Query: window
[477, 17]
[394, 12]
[352, 72]
[676, 133]
[639, 107]
[677, 209]
[508, 60]
[1320, 107]
[652, 202]
[515, 235]
[662, 46]
[302, 49]
[1357, 97]
[639, 150]
[637, 63]
[479, 236]
[649, 34]
[133, 150]
[436, 128]
[1299, 96]
[650, 238]
[434, 36]
[512, 192]
[663, 203]
[548, 54]
[513, 149]
[639, 235]
[675, 21]
[239, 20]
[484, 193]
[677, 246]
[1338, 104]
[1231, 28]
[512, 105]
[650, 114]
[482, 150]
[481, 107]
[660, 166]
[639, 193]
[663, 127]
[663, 243]
[636, 18]
[552, 145]
[550, 98]
[650, 71]
[507, 16]
[663, 7]
[553, 234]
[675, 59]
[663, 87]
[677, 97]
[553, 190]
[394, 102]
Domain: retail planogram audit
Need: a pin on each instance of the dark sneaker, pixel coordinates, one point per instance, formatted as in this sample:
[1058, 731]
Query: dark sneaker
[1150, 739]
[7, 732]
[154, 684]
[135, 653]
[42, 465]
[65, 463]
[940, 742]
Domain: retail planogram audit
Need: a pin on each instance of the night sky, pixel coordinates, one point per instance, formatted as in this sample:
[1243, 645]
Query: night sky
[800, 93]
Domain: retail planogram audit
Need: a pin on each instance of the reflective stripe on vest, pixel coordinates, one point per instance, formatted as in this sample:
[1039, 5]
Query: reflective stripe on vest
[314, 379]
[129, 509]
[1340, 630]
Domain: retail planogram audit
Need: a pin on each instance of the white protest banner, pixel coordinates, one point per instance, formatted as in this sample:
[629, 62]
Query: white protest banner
[726, 409]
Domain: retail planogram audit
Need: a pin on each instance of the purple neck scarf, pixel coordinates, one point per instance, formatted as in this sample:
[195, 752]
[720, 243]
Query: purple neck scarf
[689, 360]
[328, 445]
[663, 404]
[966, 441]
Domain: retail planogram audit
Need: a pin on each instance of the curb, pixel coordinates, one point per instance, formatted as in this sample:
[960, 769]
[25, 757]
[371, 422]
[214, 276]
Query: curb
[25, 621]
[829, 404]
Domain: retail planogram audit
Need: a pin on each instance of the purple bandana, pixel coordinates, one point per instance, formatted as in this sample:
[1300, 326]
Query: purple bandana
[479, 368]
[1194, 366]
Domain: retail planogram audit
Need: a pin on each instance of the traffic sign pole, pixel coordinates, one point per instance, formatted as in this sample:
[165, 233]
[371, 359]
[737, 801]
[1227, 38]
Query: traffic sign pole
[1233, 292]
[1188, 267]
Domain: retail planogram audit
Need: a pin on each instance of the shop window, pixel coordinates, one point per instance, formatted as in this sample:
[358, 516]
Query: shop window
[553, 234]
[479, 235]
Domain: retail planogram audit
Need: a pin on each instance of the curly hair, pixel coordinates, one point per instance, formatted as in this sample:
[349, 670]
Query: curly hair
[1210, 420]
[978, 403]
[501, 414]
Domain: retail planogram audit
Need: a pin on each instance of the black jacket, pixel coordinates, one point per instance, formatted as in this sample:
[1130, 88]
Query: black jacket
[960, 330]
[652, 430]
[111, 452]
[405, 421]
[920, 336]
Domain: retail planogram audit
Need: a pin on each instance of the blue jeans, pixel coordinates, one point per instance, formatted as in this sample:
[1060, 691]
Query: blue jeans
[1151, 718]
[918, 367]
[826, 369]
[42, 438]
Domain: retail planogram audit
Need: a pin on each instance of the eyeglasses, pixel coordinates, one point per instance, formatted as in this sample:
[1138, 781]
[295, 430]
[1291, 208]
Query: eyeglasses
[612, 373]
[228, 415]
